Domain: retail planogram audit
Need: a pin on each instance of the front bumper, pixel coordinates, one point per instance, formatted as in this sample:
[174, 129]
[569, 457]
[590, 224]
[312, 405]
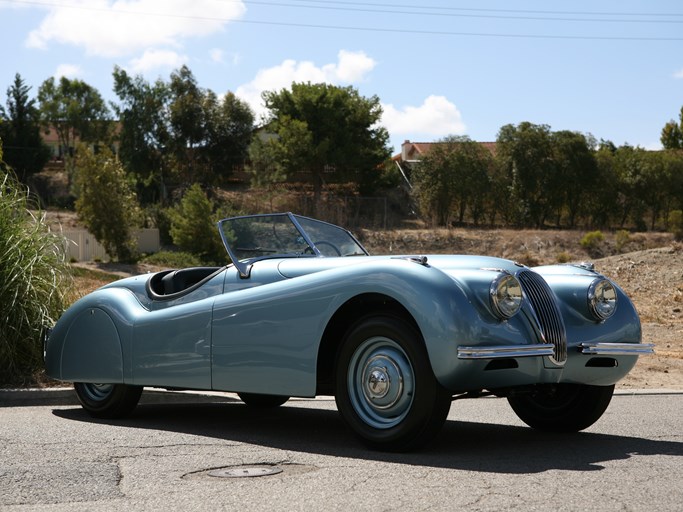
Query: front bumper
[545, 349]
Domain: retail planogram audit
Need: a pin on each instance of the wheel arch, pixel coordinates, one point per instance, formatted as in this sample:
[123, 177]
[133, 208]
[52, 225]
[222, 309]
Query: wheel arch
[353, 309]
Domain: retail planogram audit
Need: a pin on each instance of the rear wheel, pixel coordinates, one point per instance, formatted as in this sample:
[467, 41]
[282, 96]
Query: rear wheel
[386, 390]
[562, 407]
[262, 401]
[108, 400]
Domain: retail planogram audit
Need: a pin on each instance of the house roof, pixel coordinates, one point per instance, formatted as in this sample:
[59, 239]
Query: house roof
[415, 150]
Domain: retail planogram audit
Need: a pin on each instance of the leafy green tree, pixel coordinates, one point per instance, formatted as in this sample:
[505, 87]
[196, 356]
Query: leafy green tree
[76, 111]
[145, 132]
[229, 130]
[106, 202]
[629, 166]
[193, 226]
[603, 202]
[328, 132]
[187, 121]
[25, 150]
[576, 173]
[179, 133]
[672, 133]
[526, 153]
[454, 175]
[34, 278]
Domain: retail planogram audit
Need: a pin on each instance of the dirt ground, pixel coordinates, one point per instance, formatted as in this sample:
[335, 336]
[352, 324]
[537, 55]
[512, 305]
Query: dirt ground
[648, 266]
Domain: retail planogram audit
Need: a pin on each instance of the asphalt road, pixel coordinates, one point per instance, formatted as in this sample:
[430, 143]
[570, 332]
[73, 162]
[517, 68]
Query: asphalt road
[54, 457]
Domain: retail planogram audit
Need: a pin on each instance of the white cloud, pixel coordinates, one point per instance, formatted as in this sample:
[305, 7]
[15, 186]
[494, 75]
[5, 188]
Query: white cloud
[115, 28]
[216, 55]
[155, 59]
[435, 117]
[679, 74]
[68, 71]
[351, 67]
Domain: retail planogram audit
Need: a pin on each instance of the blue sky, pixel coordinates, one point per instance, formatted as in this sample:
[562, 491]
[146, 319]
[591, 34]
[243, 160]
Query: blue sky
[610, 68]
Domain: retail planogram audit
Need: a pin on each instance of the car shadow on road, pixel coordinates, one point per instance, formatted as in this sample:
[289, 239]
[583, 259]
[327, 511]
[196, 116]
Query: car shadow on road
[463, 445]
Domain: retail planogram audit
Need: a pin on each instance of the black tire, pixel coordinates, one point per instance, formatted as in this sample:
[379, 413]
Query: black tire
[562, 407]
[262, 401]
[386, 390]
[108, 400]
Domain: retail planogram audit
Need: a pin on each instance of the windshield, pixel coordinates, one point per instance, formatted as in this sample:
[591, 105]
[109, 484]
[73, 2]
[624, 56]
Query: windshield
[285, 235]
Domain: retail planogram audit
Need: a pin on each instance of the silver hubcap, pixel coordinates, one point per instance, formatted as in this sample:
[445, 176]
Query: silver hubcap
[381, 382]
[98, 392]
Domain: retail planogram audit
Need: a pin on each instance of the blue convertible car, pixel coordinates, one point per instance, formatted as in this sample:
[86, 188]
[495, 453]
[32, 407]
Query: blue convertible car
[303, 310]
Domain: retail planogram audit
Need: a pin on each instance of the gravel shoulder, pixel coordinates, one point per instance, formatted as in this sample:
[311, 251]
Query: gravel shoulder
[654, 281]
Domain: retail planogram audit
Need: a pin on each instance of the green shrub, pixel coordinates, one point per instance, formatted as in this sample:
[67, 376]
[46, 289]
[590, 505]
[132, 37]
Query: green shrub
[676, 224]
[172, 259]
[592, 242]
[622, 239]
[34, 280]
[563, 257]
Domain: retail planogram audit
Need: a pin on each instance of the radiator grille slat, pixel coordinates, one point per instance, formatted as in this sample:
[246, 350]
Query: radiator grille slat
[547, 313]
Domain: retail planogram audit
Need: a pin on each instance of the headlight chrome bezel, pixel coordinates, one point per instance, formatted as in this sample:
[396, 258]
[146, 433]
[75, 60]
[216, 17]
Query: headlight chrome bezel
[602, 299]
[506, 296]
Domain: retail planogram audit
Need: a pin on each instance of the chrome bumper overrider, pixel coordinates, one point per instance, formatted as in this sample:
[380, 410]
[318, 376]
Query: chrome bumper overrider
[506, 351]
[544, 349]
[617, 349]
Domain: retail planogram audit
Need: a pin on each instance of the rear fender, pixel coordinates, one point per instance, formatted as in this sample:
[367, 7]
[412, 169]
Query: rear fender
[92, 340]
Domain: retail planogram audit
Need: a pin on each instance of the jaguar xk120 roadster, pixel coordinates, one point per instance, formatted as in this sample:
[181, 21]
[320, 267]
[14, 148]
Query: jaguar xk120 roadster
[303, 310]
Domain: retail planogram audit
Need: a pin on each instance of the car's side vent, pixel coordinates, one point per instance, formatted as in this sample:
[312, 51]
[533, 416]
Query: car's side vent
[547, 313]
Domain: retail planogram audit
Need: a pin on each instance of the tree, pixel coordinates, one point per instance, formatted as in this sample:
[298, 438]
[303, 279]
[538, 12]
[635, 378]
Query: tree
[229, 130]
[454, 175]
[629, 167]
[603, 202]
[576, 172]
[145, 132]
[526, 154]
[193, 226]
[25, 150]
[672, 133]
[106, 202]
[328, 132]
[76, 111]
[187, 121]
[179, 132]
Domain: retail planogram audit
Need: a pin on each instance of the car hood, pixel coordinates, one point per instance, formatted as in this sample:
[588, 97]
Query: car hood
[291, 268]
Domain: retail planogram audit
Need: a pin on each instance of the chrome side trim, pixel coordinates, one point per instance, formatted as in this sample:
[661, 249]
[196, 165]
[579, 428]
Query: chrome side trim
[617, 349]
[506, 351]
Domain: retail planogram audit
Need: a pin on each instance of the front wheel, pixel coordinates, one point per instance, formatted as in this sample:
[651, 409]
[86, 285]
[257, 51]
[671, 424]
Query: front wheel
[108, 400]
[562, 407]
[386, 390]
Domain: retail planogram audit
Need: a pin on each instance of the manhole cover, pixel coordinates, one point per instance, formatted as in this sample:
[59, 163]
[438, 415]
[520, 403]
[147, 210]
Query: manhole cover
[246, 472]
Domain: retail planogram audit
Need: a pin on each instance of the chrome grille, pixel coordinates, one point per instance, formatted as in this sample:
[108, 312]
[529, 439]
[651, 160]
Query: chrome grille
[547, 313]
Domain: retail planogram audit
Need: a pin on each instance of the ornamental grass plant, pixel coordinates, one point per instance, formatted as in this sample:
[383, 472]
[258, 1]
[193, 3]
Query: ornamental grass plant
[34, 281]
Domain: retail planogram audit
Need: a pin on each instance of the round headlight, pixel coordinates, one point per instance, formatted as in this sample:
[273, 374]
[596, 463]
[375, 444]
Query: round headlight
[602, 299]
[506, 296]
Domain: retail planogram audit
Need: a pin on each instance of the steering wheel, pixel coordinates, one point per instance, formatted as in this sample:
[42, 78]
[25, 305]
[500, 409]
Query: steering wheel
[328, 244]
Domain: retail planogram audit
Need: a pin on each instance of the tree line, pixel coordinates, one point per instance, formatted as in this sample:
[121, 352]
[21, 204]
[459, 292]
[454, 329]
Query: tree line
[161, 138]
[537, 178]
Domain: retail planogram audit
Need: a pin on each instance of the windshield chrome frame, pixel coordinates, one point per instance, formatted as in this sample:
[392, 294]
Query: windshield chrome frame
[244, 266]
